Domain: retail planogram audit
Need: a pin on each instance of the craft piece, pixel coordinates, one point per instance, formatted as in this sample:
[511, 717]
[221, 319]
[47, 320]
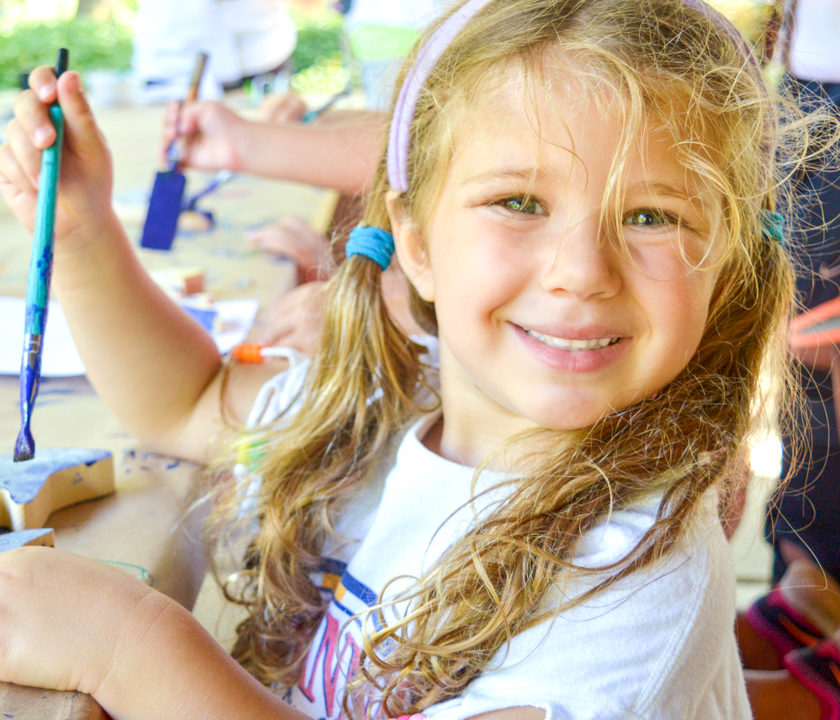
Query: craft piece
[25, 703]
[58, 477]
[179, 282]
[201, 308]
[41, 536]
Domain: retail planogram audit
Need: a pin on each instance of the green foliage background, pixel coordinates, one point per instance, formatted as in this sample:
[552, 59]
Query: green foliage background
[94, 45]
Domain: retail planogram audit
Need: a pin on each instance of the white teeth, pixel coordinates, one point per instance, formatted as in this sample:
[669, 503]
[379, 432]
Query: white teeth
[565, 344]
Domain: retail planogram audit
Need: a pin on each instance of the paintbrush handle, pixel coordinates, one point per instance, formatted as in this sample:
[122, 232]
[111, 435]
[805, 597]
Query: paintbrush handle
[195, 79]
[40, 273]
[40, 266]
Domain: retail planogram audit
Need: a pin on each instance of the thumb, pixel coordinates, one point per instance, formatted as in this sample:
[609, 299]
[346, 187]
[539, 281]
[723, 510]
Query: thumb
[79, 123]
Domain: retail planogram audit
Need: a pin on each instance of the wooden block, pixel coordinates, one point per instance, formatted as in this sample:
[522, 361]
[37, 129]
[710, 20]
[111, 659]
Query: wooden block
[179, 281]
[40, 536]
[24, 703]
[53, 479]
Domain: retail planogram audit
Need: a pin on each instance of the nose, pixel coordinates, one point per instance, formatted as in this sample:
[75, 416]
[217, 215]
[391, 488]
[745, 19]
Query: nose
[580, 261]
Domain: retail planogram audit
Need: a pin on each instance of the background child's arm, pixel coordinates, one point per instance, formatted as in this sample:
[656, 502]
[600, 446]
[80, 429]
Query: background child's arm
[339, 150]
[69, 623]
[155, 367]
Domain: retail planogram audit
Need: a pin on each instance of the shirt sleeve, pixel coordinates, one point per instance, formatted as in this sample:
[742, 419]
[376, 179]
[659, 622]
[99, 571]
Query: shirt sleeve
[282, 393]
[657, 645]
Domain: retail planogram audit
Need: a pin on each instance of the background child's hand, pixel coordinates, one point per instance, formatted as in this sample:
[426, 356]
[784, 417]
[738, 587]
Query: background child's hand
[209, 131]
[62, 618]
[285, 107]
[86, 179]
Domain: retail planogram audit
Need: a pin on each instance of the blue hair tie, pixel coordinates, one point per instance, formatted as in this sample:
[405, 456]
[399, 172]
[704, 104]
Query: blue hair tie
[372, 242]
[773, 225]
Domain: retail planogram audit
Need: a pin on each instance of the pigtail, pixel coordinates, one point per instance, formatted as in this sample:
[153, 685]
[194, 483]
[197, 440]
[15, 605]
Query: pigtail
[362, 386]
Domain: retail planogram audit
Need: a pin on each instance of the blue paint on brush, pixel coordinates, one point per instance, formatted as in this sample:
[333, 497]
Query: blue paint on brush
[40, 273]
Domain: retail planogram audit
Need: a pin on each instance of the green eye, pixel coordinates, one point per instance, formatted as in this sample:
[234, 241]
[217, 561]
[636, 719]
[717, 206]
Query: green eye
[523, 204]
[649, 218]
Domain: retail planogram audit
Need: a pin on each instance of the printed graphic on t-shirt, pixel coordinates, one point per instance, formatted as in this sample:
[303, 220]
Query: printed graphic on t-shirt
[336, 646]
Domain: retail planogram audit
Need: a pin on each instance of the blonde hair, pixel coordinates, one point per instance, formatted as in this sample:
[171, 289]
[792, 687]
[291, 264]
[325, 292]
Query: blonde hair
[668, 62]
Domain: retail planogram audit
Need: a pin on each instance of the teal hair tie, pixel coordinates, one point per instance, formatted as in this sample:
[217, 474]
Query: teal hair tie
[773, 225]
[372, 242]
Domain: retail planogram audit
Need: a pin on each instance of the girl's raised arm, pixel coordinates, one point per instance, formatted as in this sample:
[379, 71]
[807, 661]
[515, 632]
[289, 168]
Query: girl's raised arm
[156, 368]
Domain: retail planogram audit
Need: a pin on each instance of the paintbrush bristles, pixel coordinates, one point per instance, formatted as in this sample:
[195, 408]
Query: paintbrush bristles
[25, 445]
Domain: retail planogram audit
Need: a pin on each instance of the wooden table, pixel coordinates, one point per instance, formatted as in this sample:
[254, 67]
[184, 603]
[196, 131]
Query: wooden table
[142, 528]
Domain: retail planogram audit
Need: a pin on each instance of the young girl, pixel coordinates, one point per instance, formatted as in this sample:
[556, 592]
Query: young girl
[583, 196]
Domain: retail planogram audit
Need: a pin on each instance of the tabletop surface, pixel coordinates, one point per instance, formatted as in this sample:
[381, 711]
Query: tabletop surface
[143, 527]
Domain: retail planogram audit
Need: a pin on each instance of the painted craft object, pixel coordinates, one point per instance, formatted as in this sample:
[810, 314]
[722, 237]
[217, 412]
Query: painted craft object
[40, 272]
[57, 478]
[44, 537]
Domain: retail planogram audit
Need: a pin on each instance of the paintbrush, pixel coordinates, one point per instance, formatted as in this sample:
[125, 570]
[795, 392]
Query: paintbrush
[168, 189]
[40, 272]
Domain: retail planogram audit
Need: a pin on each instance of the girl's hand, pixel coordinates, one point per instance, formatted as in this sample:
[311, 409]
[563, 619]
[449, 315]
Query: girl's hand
[208, 132]
[86, 180]
[65, 620]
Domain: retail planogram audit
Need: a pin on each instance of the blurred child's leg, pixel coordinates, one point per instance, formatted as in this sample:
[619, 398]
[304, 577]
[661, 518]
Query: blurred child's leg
[791, 669]
[777, 695]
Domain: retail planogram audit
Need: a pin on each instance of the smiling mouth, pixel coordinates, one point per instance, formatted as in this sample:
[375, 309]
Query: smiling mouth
[567, 344]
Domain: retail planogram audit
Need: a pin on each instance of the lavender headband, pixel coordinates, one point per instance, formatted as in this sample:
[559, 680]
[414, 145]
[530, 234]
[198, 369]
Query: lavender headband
[430, 53]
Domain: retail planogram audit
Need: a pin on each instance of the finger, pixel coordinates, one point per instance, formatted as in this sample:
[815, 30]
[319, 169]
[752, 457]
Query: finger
[43, 84]
[170, 117]
[274, 239]
[170, 131]
[23, 162]
[33, 116]
[192, 119]
[81, 130]
[15, 185]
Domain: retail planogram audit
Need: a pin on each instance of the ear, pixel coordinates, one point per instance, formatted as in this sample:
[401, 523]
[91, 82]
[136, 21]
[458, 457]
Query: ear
[410, 248]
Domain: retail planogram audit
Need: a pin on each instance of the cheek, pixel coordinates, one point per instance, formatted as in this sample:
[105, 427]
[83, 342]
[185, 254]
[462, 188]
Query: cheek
[476, 272]
[683, 310]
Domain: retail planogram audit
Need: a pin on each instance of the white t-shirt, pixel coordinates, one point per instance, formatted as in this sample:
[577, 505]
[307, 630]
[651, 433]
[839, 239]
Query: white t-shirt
[241, 37]
[658, 645]
[814, 51]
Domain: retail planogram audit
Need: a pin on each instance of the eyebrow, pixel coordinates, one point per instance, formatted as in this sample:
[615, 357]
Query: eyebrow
[660, 188]
[521, 173]
[505, 173]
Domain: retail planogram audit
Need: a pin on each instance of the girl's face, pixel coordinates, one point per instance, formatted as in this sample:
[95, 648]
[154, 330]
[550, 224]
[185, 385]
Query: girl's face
[544, 319]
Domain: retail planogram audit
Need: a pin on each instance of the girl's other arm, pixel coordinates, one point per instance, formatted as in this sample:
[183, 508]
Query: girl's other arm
[68, 623]
[153, 365]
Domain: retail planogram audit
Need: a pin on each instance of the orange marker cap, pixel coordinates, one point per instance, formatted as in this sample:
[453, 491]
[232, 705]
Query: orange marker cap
[248, 352]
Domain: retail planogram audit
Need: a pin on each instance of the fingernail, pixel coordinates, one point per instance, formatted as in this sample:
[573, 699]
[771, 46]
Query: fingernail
[41, 135]
[45, 92]
[74, 83]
